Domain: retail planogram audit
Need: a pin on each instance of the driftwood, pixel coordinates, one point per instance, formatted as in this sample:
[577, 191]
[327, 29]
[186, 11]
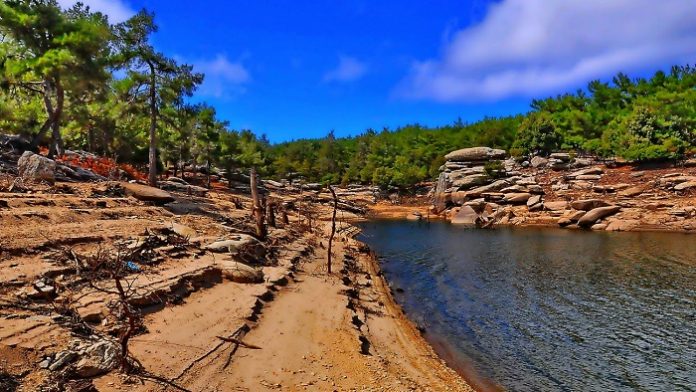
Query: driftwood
[239, 342]
[257, 209]
[333, 228]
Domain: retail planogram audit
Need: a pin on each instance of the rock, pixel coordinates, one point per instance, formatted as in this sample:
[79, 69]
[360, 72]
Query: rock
[533, 200]
[561, 156]
[516, 198]
[564, 221]
[685, 185]
[493, 187]
[465, 216]
[62, 358]
[240, 244]
[588, 204]
[585, 172]
[99, 358]
[689, 163]
[470, 181]
[539, 162]
[622, 225]
[414, 216]
[41, 290]
[475, 154]
[599, 226]
[272, 183]
[240, 272]
[536, 189]
[514, 189]
[183, 231]
[577, 215]
[147, 193]
[631, 192]
[177, 180]
[555, 205]
[36, 167]
[440, 200]
[592, 216]
[588, 177]
[458, 198]
[184, 188]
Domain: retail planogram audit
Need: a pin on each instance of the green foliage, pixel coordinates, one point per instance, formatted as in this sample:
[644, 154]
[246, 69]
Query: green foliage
[57, 72]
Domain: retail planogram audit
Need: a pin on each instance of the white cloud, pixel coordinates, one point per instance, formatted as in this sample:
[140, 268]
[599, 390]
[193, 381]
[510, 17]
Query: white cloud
[348, 69]
[117, 10]
[223, 78]
[530, 47]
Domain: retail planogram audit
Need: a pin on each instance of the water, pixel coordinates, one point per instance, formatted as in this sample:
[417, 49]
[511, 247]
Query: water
[549, 310]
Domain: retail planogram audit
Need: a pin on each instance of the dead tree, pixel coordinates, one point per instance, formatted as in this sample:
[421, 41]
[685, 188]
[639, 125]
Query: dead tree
[257, 209]
[333, 228]
[270, 214]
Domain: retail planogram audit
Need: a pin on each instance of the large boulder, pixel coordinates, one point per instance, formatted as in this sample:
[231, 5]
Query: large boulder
[475, 154]
[516, 198]
[539, 162]
[555, 205]
[592, 216]
[588, 204]
[147, 193]
[470, 181]
[440, 199]
[36, 167]
[466, 216]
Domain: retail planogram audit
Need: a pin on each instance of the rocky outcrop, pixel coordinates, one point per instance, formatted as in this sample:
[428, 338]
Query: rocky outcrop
[466, 216]
[475, 154]
[36, 167]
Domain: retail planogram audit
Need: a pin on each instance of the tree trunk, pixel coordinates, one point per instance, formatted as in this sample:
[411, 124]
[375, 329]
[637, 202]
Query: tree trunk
[333, 228]
[152, 173]
[90, 139]
[270, 214]
[56, 139]
[256, 207]
[48, 106]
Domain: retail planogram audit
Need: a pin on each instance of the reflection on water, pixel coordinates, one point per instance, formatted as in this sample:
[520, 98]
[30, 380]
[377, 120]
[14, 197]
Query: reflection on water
[550, 310]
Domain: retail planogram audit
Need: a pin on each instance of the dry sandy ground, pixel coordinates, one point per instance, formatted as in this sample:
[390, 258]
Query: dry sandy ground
[307, 330]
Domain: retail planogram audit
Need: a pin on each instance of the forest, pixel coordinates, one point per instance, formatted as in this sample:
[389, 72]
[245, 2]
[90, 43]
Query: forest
[69, 79]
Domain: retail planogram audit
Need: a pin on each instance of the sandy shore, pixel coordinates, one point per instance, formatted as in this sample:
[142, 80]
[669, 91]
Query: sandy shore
[301, 329]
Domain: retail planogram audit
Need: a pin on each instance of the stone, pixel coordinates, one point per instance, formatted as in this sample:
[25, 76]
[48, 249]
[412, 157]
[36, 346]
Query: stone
[599, 226]
[588, 204]
[98, 359]
[414, 216]
[238, 243]
[536, 189]
[440, 199]
[470, 181]
[36, 167]
[576, 216]
[466, 216]
[516, 198]
[631, 192]
[458, 198]
[561, 156]
[514, 189]
[564, 221]
[622, 225]
[62, 359]
[177, 180]
[493, 187]
[240, 272]
[589, 171]
[533, 200]
[183, 231]
[588, 177]
[592, 216]
[147, 193]
[555, 205]
[183, 188]
[685, 185]
[475, 154]
[539, 162]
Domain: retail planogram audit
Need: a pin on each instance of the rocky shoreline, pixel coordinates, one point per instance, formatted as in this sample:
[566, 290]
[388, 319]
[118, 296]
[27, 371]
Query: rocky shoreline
[478, 187]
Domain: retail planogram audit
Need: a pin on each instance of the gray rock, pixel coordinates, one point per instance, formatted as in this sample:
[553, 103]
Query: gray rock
[493, 187]
[475, 154]
[470, 181]
[183, 188]
[533, 200]
[685, 185]
[561, 156]
[36, 167]
[592, 216]
[63, 358]
[539, 162]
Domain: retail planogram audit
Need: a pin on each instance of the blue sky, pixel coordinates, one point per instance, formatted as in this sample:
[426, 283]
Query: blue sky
[296, 69]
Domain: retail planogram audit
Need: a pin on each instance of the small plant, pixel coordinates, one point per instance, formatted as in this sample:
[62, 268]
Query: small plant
[494, 169]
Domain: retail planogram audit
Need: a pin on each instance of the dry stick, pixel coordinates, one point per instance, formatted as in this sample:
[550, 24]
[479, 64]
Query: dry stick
[333, 228]
[270, 214]
[256, 207]
[239, 342]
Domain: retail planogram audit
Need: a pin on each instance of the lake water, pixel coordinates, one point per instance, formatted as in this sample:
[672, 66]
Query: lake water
[545, 309]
